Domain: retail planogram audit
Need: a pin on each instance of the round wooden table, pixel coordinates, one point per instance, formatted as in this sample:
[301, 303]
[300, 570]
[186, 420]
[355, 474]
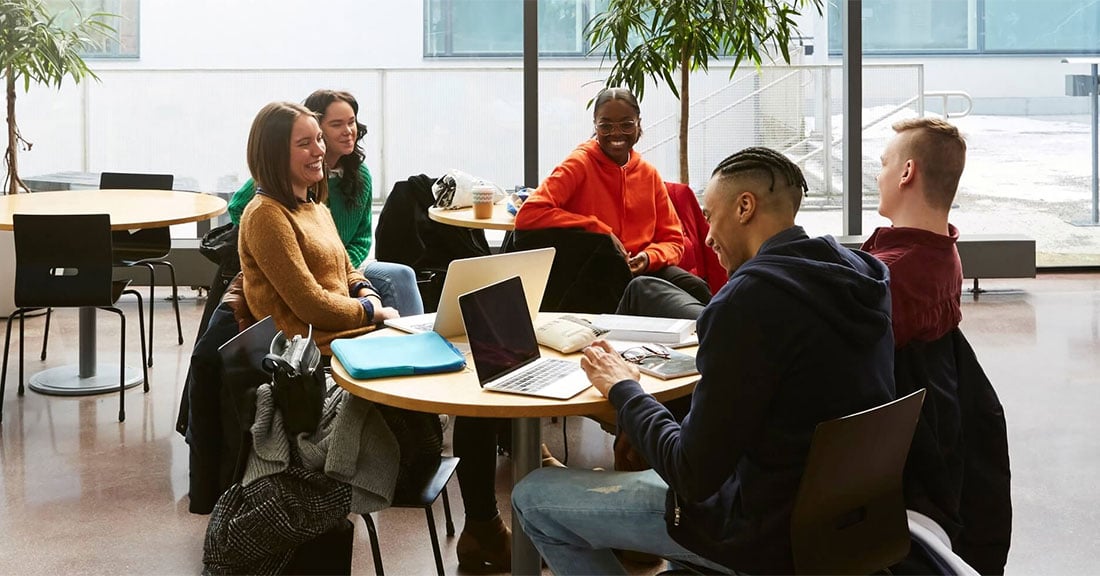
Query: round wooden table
[459, 393]
[129, 210]
[464, 217]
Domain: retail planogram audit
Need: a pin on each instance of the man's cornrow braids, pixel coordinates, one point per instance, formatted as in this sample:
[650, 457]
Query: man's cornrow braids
[760, 158]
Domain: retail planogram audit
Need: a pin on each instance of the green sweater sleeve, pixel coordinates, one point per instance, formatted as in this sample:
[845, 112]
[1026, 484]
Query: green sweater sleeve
[240, 199]
[354, 224]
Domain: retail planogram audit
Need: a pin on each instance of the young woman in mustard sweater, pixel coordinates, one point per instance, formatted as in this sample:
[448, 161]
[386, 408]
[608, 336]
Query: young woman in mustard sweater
[350, 197]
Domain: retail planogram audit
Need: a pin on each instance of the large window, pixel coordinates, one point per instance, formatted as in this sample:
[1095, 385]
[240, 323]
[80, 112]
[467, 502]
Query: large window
[491, 28]
[123, 42]
[974, 26]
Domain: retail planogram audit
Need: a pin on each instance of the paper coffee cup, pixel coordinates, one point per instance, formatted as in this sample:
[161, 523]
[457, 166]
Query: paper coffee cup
[483, 202]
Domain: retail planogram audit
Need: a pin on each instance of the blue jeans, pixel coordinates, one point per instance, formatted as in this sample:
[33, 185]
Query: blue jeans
[396, 285]
[576, 517]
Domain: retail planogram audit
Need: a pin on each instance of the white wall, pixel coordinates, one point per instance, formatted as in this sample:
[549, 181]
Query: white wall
[278, 34]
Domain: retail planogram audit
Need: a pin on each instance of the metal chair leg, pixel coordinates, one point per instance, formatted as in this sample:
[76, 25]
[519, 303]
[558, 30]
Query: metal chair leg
[4, 370]
[152, 286]
[46, 333]
[121, 363]
[22, 316]
[372, 532]
[435, 540]
[175, 297]
[447, 513]
[141, 333]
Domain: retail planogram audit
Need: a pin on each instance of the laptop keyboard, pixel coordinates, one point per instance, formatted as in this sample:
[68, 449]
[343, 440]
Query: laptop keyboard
[534, 380]
[423, 327]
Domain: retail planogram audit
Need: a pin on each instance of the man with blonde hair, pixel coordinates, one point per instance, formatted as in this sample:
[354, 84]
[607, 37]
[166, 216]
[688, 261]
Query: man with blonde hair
[957, 472]
[921, 168]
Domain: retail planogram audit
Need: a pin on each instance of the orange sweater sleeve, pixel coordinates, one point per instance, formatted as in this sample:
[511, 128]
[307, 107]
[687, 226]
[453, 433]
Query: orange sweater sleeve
[667, 247]
[544, 208]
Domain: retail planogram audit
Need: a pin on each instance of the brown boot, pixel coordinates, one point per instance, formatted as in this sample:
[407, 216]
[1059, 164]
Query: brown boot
[485, 545]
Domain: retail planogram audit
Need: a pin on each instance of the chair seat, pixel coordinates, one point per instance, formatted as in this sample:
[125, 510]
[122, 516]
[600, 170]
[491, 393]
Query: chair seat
[141, 244]
[117, 287]
[131, 257]
[427, 493]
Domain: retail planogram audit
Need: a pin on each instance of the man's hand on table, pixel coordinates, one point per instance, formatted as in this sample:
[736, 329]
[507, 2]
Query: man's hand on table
[605, 367]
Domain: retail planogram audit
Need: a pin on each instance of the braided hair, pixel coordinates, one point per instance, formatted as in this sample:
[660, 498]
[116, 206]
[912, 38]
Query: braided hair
[768, 166]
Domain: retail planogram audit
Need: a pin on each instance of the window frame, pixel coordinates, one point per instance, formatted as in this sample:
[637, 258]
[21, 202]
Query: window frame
[125, 7]
[980, 48]
[447, 11]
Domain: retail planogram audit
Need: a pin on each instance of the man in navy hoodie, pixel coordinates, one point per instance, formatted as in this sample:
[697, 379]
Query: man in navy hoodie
[800, 334]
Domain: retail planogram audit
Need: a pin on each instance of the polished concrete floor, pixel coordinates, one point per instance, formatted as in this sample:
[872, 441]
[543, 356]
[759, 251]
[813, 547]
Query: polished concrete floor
[85, 494]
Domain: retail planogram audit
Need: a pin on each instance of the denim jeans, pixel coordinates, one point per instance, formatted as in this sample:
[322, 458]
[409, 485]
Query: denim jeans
[576, 517]
[395, 284]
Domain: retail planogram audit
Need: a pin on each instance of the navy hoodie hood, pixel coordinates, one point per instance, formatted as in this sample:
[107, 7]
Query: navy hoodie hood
[850, 289]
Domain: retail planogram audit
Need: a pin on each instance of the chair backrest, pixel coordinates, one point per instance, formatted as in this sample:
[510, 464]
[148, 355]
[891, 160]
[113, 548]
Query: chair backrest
[148, 242]
[131, 181]
[241, 373]
[849, 516]
[62, 260]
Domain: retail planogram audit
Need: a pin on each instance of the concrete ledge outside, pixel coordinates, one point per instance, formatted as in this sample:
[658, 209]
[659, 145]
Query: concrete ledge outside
[985, 255]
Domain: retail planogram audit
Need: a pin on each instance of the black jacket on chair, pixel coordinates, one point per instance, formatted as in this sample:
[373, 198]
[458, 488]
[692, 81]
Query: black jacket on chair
[407, 236]
[213, 450]
[958, 470]
[589, 275]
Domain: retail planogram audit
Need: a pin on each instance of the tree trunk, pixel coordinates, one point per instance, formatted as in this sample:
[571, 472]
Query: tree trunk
[685, 104]
[11, 154]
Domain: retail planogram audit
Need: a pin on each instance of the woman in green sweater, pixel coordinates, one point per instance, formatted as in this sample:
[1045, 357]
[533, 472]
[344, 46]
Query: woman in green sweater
[349, 199]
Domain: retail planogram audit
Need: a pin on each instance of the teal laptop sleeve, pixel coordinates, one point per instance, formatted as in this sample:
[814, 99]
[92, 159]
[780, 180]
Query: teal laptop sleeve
[384, 356]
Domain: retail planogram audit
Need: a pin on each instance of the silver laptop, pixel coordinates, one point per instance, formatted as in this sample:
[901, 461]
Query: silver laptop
[506, 354]
[469, 274]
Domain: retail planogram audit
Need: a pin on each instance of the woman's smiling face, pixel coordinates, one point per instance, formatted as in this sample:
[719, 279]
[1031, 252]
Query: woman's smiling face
[617, 129]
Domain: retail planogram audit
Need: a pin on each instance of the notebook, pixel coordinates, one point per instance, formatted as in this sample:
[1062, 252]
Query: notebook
[469, 274]
[506, 354]
[384, 356]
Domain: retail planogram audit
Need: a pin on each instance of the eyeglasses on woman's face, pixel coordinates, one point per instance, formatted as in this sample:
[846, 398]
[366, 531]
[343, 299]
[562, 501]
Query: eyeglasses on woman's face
[638, 354]
[624, 127]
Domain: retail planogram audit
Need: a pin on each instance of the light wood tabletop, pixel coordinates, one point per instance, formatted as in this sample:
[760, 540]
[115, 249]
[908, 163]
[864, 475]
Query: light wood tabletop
[460, 394]
[464, 217]
[129, 209]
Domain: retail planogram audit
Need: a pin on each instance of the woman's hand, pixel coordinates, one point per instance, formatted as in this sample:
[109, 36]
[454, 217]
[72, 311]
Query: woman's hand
[383, 313]
[638, 263]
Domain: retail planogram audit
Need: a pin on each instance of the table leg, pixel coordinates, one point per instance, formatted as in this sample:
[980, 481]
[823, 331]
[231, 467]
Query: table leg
[87, 376]
[526, 441]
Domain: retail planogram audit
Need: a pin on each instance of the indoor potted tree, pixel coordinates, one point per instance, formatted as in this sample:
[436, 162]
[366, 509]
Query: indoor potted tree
[657, 38]
[36, 47]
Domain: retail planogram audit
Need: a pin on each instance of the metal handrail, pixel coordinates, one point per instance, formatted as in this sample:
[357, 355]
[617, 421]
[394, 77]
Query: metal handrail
[943, 95]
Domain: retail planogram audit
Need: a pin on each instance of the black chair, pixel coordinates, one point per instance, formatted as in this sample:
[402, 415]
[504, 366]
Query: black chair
[423, 497]
[849, 516]
[65, 261]
[147, 247]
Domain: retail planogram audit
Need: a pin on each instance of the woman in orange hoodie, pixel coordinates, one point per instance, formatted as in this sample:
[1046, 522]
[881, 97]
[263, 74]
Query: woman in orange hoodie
[604, 186]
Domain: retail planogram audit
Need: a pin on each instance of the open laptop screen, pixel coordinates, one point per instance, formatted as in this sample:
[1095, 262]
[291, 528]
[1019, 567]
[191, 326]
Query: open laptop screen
[499, 329]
